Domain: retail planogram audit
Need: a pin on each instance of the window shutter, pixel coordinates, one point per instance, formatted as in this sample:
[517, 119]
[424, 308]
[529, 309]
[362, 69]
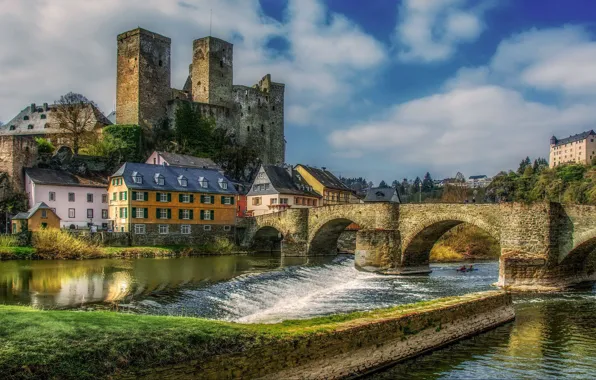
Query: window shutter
[180, 198]
[157, 196]
[126, 195]
[180, 214]
[120, 213]
[192, 198]
[169, 197]
[223, 199]
[232, 199]
[169, 213]
[146, 198]
[202, 214]
[120, 195]
[134, 212]
[191, 214]
[134, 195]
[212, 214]
[146, 213]
[157, 212]
[202, 199]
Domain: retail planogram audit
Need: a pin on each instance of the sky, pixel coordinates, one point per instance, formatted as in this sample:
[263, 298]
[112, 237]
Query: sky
[383, 89]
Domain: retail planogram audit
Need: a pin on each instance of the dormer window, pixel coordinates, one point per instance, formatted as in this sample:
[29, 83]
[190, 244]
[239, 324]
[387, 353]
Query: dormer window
[159, 179]
[30, 126]
[182, 181]
[223, 183]
[137, 178]
[43, 116]
[203, 182]
[26, 117]
[12, 127]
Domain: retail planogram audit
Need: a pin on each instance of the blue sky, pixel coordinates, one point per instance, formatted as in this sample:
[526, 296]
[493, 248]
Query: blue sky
[383, 89]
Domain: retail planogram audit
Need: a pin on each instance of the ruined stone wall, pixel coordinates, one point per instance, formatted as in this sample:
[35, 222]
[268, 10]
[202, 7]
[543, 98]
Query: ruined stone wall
[143, 78]
[17, 153]
[212, 71]
[353, 348]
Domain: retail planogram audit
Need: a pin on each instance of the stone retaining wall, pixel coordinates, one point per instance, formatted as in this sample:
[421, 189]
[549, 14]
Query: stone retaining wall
[353, 347]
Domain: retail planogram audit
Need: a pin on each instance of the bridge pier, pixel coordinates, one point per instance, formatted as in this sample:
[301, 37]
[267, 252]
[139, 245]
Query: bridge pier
[377, 249]
[292, 248]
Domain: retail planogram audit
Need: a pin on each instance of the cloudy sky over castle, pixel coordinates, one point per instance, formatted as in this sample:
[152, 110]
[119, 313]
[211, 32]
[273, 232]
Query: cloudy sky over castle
[382, 88]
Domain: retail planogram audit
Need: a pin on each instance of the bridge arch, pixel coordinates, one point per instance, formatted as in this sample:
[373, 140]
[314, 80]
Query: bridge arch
[419, 238]
[324, 240]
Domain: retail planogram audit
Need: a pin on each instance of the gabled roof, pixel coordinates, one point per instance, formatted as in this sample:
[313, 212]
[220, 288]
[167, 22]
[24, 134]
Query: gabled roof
[62, 178]
[326, 178]
[283, 183]
[478, 176]
[382, 194]
[574, 138]
[32, 211]
[170, 175]
[184, 160]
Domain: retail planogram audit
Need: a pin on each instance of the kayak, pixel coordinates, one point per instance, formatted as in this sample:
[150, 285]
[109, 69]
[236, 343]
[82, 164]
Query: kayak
[466, 270]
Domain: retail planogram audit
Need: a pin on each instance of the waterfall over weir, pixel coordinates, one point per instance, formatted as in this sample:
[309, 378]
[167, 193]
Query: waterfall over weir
[299, 292]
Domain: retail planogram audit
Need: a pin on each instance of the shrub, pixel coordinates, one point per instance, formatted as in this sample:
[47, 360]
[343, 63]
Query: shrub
[53, 243]
[220, 245]
[8, 241]
[44, 146]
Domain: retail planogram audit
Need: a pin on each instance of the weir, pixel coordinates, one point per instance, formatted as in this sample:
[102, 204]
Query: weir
[544, 246]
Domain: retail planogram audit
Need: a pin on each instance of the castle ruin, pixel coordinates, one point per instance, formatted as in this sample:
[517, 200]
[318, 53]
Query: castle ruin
[255, 115]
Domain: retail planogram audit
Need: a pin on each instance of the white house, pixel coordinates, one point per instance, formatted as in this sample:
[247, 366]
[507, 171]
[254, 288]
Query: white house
[478, 181]
[80, 202]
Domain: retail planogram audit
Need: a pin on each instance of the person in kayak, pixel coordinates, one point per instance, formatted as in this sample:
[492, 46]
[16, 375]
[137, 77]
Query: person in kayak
[462, 269]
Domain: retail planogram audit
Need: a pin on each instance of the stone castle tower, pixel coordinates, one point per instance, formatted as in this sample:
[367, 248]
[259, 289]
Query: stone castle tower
[144, 94]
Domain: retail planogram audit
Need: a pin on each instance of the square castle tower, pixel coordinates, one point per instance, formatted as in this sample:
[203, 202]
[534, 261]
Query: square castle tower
[144, 96]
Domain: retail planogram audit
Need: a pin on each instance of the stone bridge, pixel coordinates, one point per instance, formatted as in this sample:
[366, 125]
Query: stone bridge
[543, 246]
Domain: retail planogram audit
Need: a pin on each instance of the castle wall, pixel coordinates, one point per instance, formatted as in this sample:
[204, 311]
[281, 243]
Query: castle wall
[212, 71]
[16, 153]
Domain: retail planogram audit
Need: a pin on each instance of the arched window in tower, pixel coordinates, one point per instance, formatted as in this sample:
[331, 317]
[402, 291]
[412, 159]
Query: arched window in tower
[248, 128]
[262, 127]
[249, 108]
[160, 63]
[273, 108]
[221, 63]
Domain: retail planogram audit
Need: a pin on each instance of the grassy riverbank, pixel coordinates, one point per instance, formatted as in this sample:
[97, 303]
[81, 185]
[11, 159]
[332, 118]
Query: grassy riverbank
[465, 242]
[70, 344]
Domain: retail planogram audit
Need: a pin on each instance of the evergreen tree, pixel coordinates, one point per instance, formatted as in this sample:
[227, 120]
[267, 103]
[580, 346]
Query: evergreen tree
[427, 183]
[404, 186]
[523, 165]
[395, 184]
[416, 185]
[383, 184]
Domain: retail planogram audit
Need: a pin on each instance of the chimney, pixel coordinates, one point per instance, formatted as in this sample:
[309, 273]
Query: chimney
[45, 107]
[33, 107]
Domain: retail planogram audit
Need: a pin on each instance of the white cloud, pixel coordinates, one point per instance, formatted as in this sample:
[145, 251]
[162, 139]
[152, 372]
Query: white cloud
[48, 52]
[482, 119]
[431, 30]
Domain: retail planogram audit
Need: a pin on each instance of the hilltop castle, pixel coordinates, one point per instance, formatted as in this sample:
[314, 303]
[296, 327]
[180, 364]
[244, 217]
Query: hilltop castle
[145, 97]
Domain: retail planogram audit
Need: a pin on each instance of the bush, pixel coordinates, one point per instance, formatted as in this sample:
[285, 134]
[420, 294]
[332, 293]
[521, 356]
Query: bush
[8, 241]
[220, 245]
[53, 243]
[44, 146]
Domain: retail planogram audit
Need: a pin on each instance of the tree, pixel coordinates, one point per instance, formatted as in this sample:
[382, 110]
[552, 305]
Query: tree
[239, 162]
[539, 165]
[416, 185]
[383, 184]
[404, 186]
[427, 183]
[108, 146]
[127, 140]
[193, 134]
[395, 184]
[523, 165]
[75, 117]
[44, 146]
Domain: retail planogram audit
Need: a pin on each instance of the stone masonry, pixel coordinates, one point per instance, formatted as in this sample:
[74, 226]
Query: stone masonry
[144, 96]
[543, 246]
[16, 153]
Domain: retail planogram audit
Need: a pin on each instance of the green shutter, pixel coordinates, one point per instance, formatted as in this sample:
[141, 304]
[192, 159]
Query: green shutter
[180, 214]
[169, 213]
[232, 199]
[120, 213]
[202, 199]
[146, 213]
[192, 198]
[126, 195]
[134, 195]
[146, 198]
[191, 214]
[223, 200]
[157, 213]
[180, 198]
[157, 196]
[212, 214]
[202, 214]
[169, 197]
[134, 212]
[120, 195]
[125, 213]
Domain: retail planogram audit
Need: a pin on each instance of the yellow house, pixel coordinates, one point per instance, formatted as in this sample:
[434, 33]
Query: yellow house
[174, 204]
[327, 185]
[38, 217]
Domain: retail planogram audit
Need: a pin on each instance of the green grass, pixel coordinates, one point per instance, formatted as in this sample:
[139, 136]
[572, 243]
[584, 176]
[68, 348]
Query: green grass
[7, 241]
[17, 253]
[70, 344]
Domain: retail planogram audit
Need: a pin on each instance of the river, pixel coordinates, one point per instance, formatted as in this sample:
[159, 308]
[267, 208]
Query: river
[553, 336]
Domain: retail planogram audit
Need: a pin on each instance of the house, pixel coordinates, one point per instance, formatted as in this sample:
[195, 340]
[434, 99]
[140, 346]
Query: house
[182, 160]
[278, 188]
[38, 217]
[171, 205]
[328, 186]
[79, 201]
[382, 194]
[478, 181]
[576, 149]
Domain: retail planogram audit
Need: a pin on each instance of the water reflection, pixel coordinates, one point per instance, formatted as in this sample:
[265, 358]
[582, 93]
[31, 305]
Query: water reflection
[62, 284]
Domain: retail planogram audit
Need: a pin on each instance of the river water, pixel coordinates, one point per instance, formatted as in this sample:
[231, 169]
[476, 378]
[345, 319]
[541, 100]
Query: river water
[553, 336]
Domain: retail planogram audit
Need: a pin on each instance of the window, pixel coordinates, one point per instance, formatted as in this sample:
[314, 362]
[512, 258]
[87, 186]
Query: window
[227, 228]
[104, 198]
[182, 181]
[159, 179]
[137, 178]
[273, 201]
[89, 213]
[185, 214]
[227, 200]
[163, 229]
[163, 197]
[140, 213]
[207, 227]
[207, 214]
[26, 117]
[140, 229]
[71, 197]
[71, 212]
[89, 198]
[185, 198]
[163, 213]
[123, 213]
[248, 128]
[223, 183]
[139, 196]
[203, 182]
[44, 226]
[44, 214]
[52, 196]
[43, 116]
[262, 128]
[208, 199]
[185, 229]
[256, 201]
[104, 214]
[283, 201]
[123, 195]
[12, 127]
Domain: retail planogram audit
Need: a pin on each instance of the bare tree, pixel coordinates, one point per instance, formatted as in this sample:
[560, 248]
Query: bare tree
[75, 116]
